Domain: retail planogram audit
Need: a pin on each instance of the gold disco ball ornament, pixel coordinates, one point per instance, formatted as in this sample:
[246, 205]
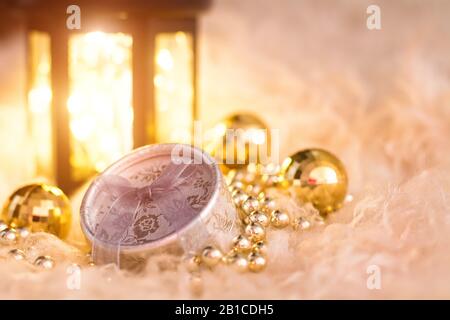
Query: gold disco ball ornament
[39, 207]
[238, 141]
[318, 177]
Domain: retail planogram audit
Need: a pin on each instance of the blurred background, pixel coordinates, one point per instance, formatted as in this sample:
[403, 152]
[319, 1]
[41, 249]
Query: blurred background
[379, 99]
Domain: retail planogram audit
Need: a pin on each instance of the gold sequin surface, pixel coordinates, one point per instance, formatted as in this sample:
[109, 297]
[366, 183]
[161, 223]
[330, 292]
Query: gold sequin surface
[39, 207]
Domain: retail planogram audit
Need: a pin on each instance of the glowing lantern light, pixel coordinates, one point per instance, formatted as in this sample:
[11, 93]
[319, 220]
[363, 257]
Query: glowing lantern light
[125, 79]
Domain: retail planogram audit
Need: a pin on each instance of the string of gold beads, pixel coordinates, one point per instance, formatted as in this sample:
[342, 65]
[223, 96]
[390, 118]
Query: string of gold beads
[11, 236]
[257, 212]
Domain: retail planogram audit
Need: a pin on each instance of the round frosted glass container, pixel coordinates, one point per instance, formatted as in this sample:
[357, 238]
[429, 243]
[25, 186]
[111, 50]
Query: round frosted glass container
[211, 218]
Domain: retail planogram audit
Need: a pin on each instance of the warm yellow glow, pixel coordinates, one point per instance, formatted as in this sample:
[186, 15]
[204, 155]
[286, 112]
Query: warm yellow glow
[173, 83]
[39, 102]
[100, 100]
[40, 98]
[256, 136]
[220, 130]
[323, 175]
[164, 59]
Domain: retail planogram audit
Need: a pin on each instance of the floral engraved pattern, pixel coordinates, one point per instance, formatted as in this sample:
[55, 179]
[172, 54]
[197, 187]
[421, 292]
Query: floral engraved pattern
[159, 214]
[148, 175]
[221, 222]
[145, 225]
[199, 200]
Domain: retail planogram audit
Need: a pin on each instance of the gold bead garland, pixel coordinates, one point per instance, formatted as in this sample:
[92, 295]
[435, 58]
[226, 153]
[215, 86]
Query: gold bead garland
[17, 254]
[211, 256]
[242, 244]
[256, 262]
[45, 262]
[279, 219]
[8, 236]
[257, 213]
[11, 236]
[240, 263]
[258, 217]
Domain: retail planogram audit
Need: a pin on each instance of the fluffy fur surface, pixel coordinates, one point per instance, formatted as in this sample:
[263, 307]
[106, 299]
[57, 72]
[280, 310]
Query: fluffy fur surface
[380, 100]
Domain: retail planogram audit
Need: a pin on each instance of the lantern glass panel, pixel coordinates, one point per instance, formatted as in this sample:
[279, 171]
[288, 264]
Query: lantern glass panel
[100, 100]
[39, 101]
[173, 83]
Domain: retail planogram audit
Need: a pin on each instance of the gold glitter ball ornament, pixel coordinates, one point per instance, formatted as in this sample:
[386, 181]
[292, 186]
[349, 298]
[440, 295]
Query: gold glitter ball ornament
[236, 138]
[39, 207]
[318, 177]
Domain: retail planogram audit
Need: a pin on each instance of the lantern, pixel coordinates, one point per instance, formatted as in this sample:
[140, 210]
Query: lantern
[126, 78]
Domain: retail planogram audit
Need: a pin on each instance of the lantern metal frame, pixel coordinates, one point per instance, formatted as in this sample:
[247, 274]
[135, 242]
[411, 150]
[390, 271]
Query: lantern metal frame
[143, 20]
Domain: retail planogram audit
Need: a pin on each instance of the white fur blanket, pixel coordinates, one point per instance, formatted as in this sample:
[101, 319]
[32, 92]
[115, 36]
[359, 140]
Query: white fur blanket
[380, 100]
